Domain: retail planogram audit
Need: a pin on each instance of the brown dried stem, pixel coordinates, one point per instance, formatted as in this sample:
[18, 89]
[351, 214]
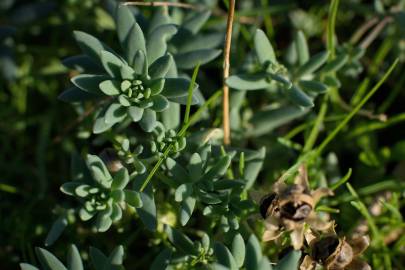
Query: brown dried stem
[375, 32]
[226, 66]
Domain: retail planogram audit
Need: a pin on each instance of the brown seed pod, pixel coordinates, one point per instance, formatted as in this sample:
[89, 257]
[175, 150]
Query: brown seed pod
[268, 204]
[336, 253]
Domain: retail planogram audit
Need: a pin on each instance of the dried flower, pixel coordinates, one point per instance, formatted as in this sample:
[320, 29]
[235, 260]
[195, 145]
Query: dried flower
[290, 207]
[335, 253]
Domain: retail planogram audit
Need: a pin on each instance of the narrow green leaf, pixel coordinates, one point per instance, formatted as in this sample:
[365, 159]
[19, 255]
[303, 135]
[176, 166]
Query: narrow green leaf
[111, 63]
[301, 47]
[290, 261]
[124, 20]
[313, 86]
[89, 83]
[90, 45]
[162, 260]
[48, 260]
[341, 181]
[299, 97]
[180, 241]
[75, 94]
[157, 41]
[196, 22]
[56, 230]
[190, 93]
[160, 67]
[264, 50]
[186, 210]
[136, 42]
[336, 64]
[238, 250]
[189, 60]
[74, 260]
[248, 81]
[148, 121]
[312, 64]
[133, 198]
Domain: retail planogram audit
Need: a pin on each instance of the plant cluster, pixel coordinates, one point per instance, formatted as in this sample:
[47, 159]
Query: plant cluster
[155, 176]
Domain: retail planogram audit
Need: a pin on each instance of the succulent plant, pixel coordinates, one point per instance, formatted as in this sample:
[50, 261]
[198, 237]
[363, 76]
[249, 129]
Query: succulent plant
[101, 194]
[133, 86]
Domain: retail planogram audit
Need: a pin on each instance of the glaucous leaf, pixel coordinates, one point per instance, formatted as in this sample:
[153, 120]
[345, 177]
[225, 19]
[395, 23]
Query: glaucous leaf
[133, 198]
[148, 121]
[313, 86]
[90, 45]
[121, 179]
[264, 50]
[110, 87]
[189, 60]
[336, 63]
[180, 240]
[253, 253]
[312, 64]
[56, 230]
[301, 47]
[162, 260]
[100, 125]
[136, 42]
[124, 20]
[224, 256]
[48, 260]
[82, 63]
[160, 67]
[194, 23]
[111, 63]
[135, 113]
[147, 212]
[75, 94]
[186, 209]
[298, 97]
[238, 250]
[117, 256]
[115, 113]
[248, 81]
[89, 83]
[290, 261]
[157, 41]
[74, 261]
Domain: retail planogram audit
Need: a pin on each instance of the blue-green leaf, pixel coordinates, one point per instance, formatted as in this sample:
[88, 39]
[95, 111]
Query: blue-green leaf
[74, 260]
[194, 23]
[301, 47]
[253, 253]
[90, 45]
[148, 121]
[115, 113]
[133, 198]
[75, 94]
[248, 81]
[313, 86]
[26, 266]
[290, 261]
[157, 41]
[160, 67]
[297, 96]
[162, 260]
[121, 179]
[124, 20]
[117, 256]
[186, 209]
[160, 103]
[191, 59]
[136, 42]
[48, 260]
[100, 125]
[224, 256]
[264, 50]
[238, 250]
[312, 64]
[89, 83]
[110, 87]
[56, 230]
[111, 63]
[99, 260]
[147, 212]
[180, 241]
[82, 63]
[135, 113]
[336, 64]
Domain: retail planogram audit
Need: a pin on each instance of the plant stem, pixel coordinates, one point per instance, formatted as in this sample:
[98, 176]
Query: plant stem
[375, 32]
[226, 66]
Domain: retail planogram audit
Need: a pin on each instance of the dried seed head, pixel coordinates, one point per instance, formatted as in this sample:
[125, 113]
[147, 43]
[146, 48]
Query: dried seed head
[111, 160]
[296, 206]
[332, 252]
[267, 204]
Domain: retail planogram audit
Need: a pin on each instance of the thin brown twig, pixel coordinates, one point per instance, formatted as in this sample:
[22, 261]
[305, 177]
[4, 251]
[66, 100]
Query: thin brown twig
[226, 66]
[363, 29]
[375, 32]
[163, 4]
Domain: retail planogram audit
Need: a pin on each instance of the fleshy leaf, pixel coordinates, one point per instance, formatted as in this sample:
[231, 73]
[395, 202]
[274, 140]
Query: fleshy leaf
[313, 86]
[157, 41]
[297, 96]
[75, 94]
[186, 210]
[301, 47]
[312, 64]
[74, 260]
[136, 42]
[89, 83]
[48, 260]
[238, 250]
[148, 121]
[160, 67]
[189, 60]
[248, 81]
[111, 63]
[264, 50]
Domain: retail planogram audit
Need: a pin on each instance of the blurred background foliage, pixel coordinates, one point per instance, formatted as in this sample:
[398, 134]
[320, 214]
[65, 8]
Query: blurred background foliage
[38, 133]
